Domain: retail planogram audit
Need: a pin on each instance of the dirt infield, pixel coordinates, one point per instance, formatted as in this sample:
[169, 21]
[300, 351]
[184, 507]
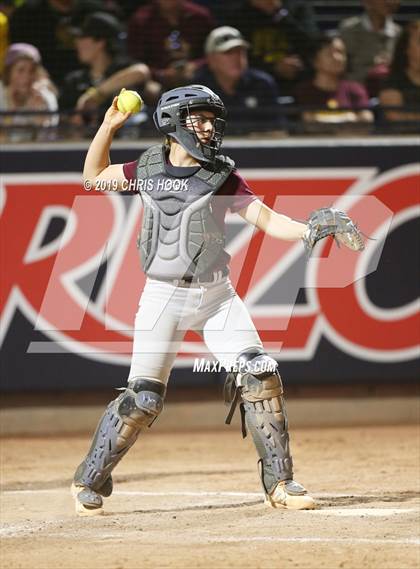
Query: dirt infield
[187, 500]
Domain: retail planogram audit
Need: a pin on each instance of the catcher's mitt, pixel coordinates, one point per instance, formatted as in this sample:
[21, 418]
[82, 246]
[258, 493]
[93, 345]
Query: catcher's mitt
[330, 221]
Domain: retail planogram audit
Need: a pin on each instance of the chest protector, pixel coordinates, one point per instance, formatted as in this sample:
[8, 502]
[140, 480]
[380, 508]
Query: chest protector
[179, 236]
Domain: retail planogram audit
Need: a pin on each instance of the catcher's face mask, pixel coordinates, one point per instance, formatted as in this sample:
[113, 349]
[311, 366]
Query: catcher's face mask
[207, 129]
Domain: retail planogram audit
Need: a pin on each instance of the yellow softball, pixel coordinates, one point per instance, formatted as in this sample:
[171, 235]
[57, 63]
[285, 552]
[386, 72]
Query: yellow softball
[129, 101]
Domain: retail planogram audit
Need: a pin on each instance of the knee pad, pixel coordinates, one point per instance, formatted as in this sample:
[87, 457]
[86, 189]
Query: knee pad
[258, 377]
[255, 377]
[141, 402]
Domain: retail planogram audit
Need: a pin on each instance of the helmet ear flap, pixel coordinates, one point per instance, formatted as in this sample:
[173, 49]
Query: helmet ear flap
[165, 127]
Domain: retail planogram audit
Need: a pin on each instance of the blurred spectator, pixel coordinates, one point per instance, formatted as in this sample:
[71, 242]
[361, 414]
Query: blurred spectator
[47, 24]
[328, 88]
[169, 36]
[370, 38]
[26, 87]
[105, 71]
[403, 85]
[279, 32]
[247, 93]
[7, 7]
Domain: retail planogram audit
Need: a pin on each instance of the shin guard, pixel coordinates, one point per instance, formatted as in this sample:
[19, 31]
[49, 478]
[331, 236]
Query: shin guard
[263, 412]
[137, 407]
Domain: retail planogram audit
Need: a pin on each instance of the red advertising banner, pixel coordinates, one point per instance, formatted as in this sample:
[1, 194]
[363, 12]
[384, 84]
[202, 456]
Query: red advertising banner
[43, 275]
[71, 277]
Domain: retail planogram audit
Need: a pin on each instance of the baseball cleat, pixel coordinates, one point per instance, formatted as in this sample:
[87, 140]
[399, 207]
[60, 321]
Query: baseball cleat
[290, 495]
[87, 501]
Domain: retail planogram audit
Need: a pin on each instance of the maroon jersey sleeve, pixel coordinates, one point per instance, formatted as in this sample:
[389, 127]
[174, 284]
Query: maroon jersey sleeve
[241, 194]
[129, 169]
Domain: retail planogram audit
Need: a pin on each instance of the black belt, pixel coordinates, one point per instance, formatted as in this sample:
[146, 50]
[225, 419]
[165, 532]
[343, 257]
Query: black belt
[208, 278]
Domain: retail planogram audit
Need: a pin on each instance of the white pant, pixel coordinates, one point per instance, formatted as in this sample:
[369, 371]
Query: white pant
[167, 311]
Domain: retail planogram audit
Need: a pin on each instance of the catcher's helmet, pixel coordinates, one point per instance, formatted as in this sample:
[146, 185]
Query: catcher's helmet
[173, 109]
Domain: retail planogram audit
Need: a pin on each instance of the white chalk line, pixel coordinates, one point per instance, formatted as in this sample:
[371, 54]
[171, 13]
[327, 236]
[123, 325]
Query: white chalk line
[331, 511]
[312, 539]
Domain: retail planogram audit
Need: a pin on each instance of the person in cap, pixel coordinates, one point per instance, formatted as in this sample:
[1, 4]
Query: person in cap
[250, 95]
[104, 69]
[25, 86]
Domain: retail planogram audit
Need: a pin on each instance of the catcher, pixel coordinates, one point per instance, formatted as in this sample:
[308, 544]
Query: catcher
[186, 187]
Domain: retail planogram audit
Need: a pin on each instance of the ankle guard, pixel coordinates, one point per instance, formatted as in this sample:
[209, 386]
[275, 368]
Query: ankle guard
[138, 406]
[263, 412]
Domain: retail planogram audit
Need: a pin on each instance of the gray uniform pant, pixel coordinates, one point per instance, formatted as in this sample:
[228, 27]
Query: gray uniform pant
[166, 311]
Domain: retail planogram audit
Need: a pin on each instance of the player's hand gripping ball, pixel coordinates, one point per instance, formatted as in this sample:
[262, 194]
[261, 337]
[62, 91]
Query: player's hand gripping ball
[129, 102]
